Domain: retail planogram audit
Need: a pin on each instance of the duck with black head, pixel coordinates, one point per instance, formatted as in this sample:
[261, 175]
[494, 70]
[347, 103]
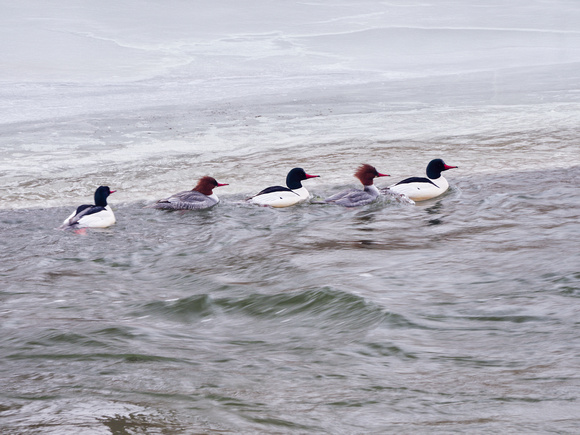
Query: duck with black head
[421, 188]
[280, 196]
[97, 215]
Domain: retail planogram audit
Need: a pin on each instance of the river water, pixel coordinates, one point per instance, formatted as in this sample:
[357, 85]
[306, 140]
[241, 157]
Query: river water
[455, 315]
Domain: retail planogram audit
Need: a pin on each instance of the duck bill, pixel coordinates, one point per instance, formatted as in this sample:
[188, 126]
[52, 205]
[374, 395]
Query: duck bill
[222, 184]
[449, 167]
[382, 175]
[112, 191]
[312, 176]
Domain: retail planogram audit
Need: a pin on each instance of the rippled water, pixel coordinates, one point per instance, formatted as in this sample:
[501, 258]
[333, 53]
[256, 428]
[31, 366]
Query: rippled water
[456, 315]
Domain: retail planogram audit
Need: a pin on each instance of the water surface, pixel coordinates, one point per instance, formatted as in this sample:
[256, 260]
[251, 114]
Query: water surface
[458, 314]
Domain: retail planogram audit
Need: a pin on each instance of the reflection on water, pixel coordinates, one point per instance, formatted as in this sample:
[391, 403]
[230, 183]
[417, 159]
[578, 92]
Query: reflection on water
[456, 313]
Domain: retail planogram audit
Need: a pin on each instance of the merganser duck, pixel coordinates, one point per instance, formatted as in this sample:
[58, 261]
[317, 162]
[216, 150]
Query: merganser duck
[355, 197]
[279, 196]
[200, 197]
[98, 215]
[420, 188]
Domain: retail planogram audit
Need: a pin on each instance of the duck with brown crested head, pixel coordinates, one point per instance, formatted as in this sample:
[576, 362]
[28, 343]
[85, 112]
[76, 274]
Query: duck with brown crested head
[354, 197]
[200, 197]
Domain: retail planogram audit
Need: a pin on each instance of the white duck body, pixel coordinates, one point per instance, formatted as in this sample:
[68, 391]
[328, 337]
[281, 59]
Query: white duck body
[99, 215]
[424, 188]
[283, 197]
[421, 189]
[101, 219]
[279, 196]
[355, 197]
[199, 198]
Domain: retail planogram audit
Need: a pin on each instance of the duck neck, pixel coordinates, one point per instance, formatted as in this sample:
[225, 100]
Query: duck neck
[100, 200]
[293, 183]
[214, 197]
[372, 189]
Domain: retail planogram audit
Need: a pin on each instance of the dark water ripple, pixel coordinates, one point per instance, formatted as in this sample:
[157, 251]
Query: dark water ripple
[457, 315]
